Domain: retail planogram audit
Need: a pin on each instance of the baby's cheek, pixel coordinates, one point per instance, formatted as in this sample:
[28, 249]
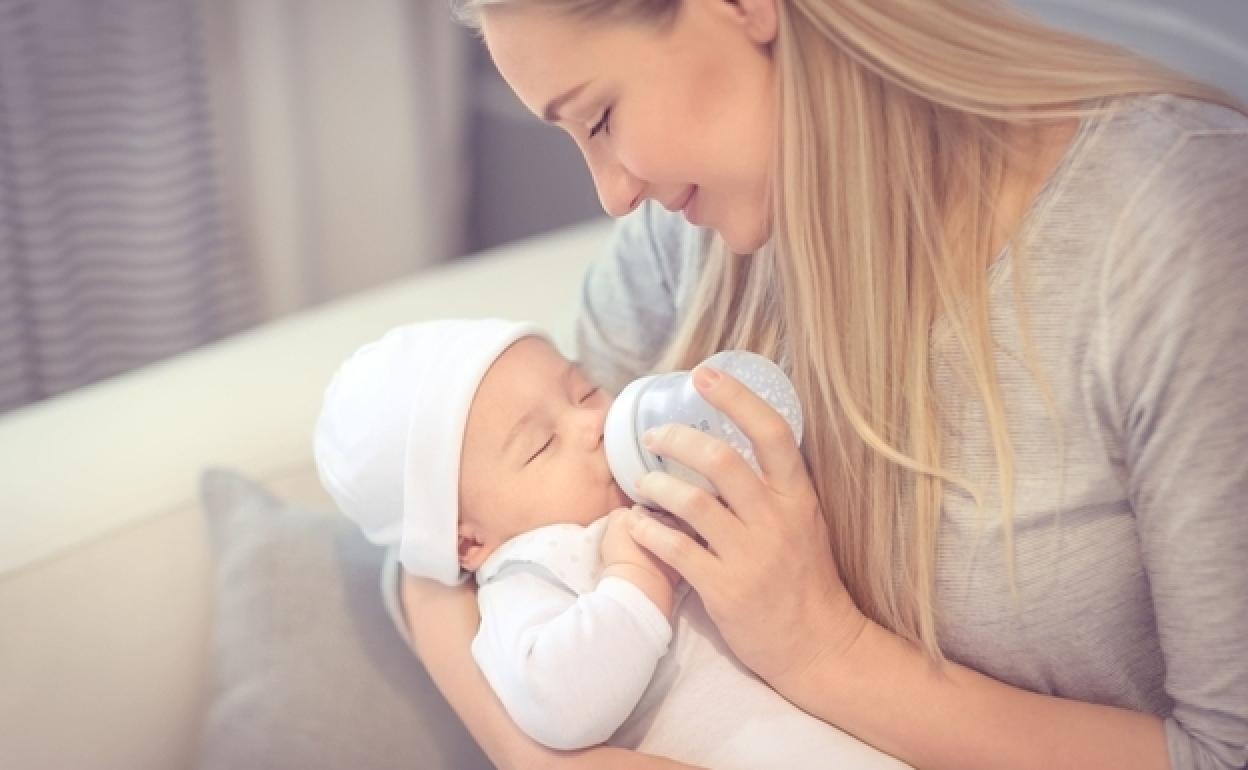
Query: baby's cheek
[575, 495]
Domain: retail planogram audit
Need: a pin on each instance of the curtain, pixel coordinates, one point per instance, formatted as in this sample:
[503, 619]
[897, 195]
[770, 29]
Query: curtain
[114, 247]
[173, 171]
[346, 138]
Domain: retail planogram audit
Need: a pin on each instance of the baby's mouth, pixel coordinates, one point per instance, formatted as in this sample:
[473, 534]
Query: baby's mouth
[622, 500]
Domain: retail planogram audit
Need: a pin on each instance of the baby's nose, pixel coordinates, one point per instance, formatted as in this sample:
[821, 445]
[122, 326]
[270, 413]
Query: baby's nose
[591, 426]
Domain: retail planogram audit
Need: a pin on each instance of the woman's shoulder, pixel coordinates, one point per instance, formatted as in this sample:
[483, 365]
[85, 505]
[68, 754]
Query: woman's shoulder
[1186, 114]
[1151, 119]
[632, 297]
[1196, 164]
[664, 238]
[1154, 159]
[1178, 245]
[1139, 137]
[1148, 220]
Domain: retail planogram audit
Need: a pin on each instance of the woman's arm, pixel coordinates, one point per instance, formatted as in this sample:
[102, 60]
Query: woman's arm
[888, 693]
[444, 648]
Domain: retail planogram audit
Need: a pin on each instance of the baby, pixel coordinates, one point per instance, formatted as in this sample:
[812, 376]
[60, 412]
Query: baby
[476, 448]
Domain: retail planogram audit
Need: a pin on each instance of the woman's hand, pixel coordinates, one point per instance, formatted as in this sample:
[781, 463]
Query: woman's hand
[766, 574]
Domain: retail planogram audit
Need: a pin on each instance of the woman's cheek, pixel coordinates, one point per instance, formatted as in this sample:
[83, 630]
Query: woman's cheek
[649, 153]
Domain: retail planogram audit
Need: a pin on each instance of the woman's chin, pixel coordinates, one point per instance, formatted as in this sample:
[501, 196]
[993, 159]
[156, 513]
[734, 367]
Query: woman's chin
[744, 240]
[746, 244]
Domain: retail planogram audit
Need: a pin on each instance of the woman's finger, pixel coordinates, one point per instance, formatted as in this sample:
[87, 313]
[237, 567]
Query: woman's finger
[699, 509]
[733, 478]
[769, 433]
[676, 549]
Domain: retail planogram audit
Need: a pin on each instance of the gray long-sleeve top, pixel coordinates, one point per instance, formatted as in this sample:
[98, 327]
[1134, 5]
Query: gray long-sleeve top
[1131, 542]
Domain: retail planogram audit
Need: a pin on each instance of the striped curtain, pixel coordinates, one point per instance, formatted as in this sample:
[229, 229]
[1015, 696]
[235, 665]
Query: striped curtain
[114, 250]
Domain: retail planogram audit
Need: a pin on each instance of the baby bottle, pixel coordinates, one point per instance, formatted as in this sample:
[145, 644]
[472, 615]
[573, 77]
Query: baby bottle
[663, 398]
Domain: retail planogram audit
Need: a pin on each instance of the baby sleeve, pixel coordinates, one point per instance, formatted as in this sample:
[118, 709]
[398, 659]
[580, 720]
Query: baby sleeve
[568, 669]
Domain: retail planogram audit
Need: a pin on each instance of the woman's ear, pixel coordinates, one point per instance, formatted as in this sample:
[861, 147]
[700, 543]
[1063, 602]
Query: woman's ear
[762, 20]
[472, 551]
[759, 19]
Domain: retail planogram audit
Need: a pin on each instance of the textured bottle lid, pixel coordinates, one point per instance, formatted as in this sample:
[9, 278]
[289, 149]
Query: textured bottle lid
[769, 382]
[624, 451]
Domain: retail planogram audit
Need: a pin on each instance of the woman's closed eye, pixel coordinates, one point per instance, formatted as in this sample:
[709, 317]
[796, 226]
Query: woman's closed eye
[605, 123]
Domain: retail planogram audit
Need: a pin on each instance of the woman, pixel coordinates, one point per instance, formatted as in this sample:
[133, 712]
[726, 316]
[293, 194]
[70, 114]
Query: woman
[1005, 267]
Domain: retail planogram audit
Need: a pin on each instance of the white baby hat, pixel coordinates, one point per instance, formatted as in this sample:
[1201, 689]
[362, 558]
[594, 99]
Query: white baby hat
[391, 428]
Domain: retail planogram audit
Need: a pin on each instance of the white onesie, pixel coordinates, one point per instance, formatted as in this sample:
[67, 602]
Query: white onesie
[577, 662]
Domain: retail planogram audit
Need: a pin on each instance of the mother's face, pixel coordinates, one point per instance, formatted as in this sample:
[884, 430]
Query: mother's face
[680, 115]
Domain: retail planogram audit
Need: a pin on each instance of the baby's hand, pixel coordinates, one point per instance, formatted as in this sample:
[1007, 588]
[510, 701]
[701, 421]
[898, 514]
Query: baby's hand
[619, 547]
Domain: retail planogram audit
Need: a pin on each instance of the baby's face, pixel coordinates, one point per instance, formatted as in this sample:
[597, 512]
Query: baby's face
[533, 451]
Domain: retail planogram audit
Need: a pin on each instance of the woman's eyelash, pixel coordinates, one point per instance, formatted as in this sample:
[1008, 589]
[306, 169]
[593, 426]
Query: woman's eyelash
[602, 124]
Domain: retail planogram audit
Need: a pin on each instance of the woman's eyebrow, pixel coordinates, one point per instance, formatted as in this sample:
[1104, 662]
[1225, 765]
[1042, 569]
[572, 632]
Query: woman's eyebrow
[551, 113]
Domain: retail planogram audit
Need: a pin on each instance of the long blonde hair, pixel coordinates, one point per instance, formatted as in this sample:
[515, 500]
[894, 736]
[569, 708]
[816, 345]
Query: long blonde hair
[896, 124]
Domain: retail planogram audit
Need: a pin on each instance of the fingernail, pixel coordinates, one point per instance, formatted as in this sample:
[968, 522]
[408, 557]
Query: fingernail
[648, 438]
[706, 377]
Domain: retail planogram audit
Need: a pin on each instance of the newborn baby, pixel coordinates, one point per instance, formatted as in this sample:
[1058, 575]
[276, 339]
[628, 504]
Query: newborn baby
[476, 448]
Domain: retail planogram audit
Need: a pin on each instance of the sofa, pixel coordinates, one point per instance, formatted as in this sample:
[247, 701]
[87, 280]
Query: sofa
[111, 574]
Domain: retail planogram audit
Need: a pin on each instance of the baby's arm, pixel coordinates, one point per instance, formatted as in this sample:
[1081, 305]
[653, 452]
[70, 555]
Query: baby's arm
[445, 620]
[568, 669]
[623, 557]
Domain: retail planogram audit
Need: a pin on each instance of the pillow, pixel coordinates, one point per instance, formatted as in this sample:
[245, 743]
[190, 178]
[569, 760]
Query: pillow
[309, 672]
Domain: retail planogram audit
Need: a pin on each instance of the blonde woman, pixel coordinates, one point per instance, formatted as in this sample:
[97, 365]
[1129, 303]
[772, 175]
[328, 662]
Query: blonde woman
[1007, 269]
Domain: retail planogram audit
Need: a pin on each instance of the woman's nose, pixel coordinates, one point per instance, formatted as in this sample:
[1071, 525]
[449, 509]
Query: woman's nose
[618, 190]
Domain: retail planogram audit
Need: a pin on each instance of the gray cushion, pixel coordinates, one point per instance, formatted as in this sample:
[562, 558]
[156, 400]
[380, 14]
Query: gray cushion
[309, 671]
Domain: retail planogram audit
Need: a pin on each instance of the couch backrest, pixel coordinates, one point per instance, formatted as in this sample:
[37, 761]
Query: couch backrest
[105, 579]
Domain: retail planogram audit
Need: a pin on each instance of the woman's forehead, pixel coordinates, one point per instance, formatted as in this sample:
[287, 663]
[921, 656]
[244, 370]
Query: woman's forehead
[529, 36]
[542, 55]
[540, 51]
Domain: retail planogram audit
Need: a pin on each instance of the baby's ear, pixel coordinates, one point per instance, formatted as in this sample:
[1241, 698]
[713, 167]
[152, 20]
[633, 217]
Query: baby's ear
[472, 551]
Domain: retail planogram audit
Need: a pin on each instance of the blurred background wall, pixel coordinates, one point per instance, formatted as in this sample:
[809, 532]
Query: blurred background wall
[173, 171]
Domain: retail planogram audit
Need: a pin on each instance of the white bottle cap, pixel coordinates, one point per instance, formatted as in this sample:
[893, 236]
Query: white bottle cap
[625, 455]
